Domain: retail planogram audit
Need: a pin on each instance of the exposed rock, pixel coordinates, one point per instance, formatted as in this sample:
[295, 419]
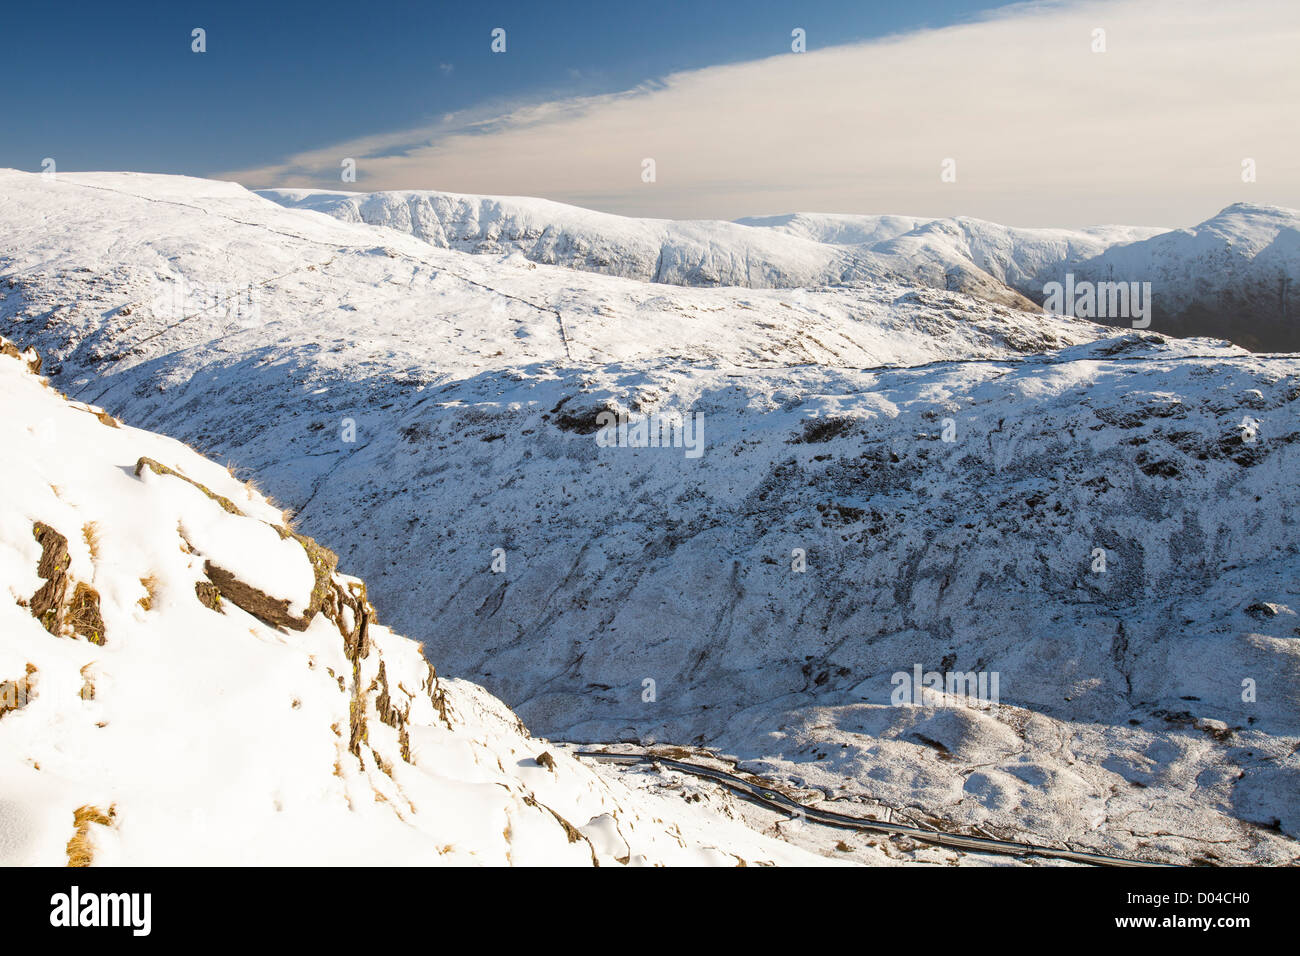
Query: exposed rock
[30, 356]
[1263, 610]
[209, 595]
[48, 602]
[159, 468]
[274, 611]
[817, 430]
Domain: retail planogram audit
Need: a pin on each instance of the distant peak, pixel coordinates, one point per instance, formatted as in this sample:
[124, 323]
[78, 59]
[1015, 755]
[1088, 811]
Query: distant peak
[1256, 209]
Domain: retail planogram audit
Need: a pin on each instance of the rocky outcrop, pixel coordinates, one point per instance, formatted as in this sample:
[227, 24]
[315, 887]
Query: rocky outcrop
[29, 356]
[282, 736]
[48, 603]
[226, 584]
[59, 614]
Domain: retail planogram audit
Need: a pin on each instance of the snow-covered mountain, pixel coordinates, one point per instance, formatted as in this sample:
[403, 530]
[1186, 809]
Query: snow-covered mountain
[891, 477]
[1230, 277]
[184, 679]
[964, 255]
[1238, 271]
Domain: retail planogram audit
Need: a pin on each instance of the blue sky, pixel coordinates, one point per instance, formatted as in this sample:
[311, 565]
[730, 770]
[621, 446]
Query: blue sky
[99, 86]
[1038, 121]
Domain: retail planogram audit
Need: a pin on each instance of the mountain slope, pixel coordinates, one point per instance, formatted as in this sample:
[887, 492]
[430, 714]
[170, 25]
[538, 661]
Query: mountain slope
[158, 706]
[438, 415]
[1236, 271]
[979, 258]
[1229, 277]
[779, 252]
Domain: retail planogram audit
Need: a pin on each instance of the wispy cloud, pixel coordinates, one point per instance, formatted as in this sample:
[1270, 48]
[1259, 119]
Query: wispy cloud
[1043, 130]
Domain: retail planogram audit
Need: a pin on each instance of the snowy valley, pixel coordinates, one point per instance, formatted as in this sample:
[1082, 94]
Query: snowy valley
[906, 467]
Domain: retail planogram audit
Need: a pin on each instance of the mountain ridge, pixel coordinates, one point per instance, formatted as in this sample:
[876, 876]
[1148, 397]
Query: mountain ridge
[1230, 298]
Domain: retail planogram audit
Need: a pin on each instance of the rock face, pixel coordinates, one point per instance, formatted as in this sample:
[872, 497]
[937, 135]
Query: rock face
[893, 482]
[48, 604]
[60, 614]
[254, 735]
[223, 583]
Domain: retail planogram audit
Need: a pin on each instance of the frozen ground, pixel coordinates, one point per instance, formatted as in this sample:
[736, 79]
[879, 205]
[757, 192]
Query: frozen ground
[162, 729]
[1148, 709]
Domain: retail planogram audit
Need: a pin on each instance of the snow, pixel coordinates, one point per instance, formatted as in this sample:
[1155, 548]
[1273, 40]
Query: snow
[215, 738]
[252, 551]
[1233, 275]
[985, 259]
[469, 380]
[1223, 278]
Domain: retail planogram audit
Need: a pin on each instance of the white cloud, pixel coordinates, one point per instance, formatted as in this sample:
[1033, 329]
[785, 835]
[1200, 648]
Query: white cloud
[1043, 130]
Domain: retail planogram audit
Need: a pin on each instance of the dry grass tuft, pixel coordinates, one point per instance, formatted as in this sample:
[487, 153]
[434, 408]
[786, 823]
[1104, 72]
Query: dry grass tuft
[151, 585]
[83, 614]
[81, 852]
[90, 532]
[254, 491]
[15, 694]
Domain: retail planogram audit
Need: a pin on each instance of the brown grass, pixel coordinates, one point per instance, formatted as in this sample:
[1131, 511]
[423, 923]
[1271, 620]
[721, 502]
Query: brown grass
[15, 694]
[90, 533]
[255, 491]
[80, 850]
[83, 614]
[151, 585]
